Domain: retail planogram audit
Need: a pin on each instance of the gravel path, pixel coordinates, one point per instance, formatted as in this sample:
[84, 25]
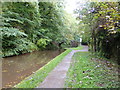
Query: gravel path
[56, 78]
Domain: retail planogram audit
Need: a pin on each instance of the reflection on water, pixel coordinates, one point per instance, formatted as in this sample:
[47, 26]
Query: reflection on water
[16, 68]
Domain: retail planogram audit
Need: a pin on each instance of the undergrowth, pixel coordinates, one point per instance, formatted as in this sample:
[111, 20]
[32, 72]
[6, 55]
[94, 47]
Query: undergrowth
[85, 72]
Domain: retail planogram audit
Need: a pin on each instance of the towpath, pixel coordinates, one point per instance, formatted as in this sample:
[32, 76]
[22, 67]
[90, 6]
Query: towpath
[56, 78]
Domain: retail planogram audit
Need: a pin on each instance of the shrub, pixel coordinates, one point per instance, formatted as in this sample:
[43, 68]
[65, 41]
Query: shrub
[42, 43]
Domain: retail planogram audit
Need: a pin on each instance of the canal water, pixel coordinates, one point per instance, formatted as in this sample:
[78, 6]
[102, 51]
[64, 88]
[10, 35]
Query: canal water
[16, 68]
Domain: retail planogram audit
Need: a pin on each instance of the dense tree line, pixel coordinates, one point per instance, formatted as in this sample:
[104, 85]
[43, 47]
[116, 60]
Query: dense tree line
[101, 22]
[29, 26]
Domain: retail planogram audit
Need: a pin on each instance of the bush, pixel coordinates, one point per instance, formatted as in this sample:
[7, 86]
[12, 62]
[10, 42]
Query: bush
[42, 43]
[15, 42]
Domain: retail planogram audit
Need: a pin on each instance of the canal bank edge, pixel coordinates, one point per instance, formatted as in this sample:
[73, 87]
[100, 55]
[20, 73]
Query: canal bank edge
[35, 79]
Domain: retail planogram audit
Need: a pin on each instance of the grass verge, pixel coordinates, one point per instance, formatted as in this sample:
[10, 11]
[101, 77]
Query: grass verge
[85, 72]
[35, 79]
[76, 48]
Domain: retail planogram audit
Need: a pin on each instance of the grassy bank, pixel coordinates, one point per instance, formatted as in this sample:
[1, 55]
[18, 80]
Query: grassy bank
[35, 79]
[76, 48]
[85, 72]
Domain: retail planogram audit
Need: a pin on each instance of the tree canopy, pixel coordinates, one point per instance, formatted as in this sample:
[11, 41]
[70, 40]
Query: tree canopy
[29, 26]
[100, 22]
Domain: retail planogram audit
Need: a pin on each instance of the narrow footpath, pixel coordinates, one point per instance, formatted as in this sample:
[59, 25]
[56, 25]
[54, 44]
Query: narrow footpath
[56, 78]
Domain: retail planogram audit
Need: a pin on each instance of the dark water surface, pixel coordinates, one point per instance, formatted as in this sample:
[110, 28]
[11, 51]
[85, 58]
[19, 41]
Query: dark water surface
[16, 68]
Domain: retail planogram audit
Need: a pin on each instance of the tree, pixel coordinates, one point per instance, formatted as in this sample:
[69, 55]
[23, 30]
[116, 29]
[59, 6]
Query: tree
[102, 20]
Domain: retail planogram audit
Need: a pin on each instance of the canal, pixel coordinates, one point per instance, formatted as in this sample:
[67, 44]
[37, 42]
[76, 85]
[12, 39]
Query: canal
[16, 68]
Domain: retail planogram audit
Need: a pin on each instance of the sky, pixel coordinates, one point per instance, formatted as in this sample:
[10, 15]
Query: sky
[72, 4]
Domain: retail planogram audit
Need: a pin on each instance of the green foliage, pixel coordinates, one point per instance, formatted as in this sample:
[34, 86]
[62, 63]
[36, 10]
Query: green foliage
[12, 42]
[27, 26]
[11, 32]
[35, 25]
[32, 47]
[100, 23]
[85, 38]
[42, 43]
[17, 24]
